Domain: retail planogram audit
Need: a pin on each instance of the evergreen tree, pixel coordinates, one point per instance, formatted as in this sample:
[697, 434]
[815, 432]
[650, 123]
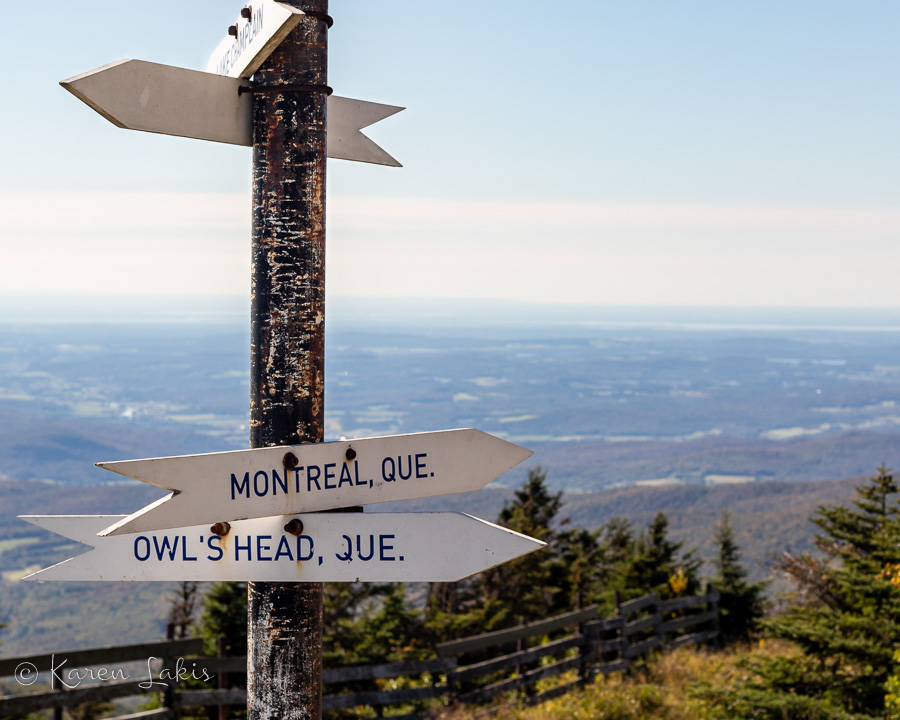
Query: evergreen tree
[453, 610]
[533, 586]
[617, 543]
[845, 620]
[740, 602]
[225, 614]
[581, 552]
[656, 559]
[348, 609]
[393, 632]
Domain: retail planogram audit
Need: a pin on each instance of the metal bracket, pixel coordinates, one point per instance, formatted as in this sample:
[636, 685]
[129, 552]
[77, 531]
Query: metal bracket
[268, 89]
[324, 17]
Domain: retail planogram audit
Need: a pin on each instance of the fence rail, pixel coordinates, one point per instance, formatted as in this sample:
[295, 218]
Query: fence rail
[579, 643]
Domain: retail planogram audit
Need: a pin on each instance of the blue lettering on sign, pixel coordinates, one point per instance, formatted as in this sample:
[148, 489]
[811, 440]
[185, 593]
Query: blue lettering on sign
[383, 547]
[243, 486]
[138, 553]
[284, 548]
[238, 547]
[302, 551]
[359, 552]
[246, 35]
[308, 555]
[209, 543]
[392, 469]
[278, 483]
[329, 475]
[265, 483]
[184, 555]
[368, 542]
[166, 547]
[348, 555]
[313, 472]
[263, 548]
[163, 548]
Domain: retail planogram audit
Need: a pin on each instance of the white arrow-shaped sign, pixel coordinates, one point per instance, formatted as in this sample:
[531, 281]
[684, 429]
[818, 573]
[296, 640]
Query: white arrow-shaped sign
[331, 547]
[256, 33]
[241, 484]
[139, 95]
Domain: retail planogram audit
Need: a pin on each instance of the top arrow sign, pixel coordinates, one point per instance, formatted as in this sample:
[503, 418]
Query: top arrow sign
[221, 487]
[140, 95]
[254, 38]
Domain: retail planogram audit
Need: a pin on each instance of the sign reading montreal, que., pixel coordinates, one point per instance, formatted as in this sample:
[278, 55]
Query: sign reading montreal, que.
[308, 478]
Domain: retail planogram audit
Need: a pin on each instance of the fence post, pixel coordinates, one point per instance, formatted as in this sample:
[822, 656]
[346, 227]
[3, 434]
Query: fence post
[714, 605]
[620, 633]
[590, 639]
[453, 686]
[222, 677]
[58, 687]
[654, 610]
[168, 695]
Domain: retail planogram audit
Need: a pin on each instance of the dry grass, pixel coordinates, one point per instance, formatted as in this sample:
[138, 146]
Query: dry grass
[660, 691]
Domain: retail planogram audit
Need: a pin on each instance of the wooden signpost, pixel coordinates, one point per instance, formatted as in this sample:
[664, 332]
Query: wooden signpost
[262, 500]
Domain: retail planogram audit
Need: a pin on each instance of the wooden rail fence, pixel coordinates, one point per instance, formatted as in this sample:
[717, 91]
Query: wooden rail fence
[578, 644]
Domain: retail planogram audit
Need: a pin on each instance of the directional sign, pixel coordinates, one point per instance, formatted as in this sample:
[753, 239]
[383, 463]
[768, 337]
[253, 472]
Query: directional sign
[139, 95]
[331, 547]
[257, 483]
[258, 31]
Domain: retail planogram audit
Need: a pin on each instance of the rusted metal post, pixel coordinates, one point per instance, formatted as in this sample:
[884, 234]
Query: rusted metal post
[284, 654]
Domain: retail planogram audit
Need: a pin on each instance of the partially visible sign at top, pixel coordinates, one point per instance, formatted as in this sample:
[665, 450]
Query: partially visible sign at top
[257, 32]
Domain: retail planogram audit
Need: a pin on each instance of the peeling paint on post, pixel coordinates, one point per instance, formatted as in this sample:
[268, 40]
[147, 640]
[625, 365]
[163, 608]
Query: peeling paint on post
[284, 661]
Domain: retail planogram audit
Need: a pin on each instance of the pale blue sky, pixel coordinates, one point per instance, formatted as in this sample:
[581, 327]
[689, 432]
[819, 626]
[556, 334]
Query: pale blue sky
[713, 153]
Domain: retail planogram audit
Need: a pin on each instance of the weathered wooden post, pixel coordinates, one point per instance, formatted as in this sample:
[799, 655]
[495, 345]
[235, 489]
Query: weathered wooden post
[287, 355]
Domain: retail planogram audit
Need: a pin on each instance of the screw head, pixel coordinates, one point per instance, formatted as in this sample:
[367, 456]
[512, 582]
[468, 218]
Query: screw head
[232, 30]
[294, 527]
[221, 529]
[290, 461]
[350, 454]
[247, 12]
